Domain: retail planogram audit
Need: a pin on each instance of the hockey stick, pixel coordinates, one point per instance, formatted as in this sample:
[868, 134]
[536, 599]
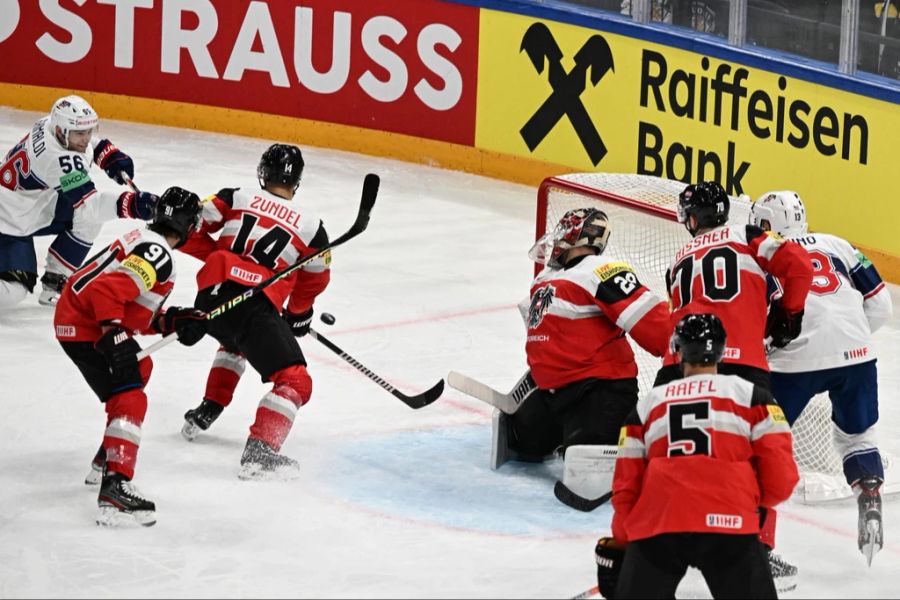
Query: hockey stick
[417, 401]
[369, 193]
[508, 403]
[129, 182]
[588, 593]
[573, 500]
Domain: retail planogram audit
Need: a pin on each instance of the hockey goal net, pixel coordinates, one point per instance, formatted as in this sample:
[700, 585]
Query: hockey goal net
[646, 234]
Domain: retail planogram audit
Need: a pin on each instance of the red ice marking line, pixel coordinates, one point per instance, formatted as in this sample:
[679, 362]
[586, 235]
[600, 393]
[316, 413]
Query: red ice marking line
[838, 531]
[429, 319]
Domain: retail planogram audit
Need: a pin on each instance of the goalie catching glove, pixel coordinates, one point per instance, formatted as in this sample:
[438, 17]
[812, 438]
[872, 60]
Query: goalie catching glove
[783, 326]
[187, 322]
[609, 554]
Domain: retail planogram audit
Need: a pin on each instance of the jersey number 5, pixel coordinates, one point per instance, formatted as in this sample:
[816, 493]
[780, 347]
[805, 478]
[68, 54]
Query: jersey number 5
[687, 433]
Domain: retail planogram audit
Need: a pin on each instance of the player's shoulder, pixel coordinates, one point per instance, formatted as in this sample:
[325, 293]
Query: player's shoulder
[148, 254]
[605, 267]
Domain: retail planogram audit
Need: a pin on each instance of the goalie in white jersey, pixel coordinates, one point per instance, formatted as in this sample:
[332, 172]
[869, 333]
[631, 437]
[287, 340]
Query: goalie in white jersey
[45, 189]
[847, 303]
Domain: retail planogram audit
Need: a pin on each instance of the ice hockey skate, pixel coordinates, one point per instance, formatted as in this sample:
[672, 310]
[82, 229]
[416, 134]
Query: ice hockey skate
[52, 284]
[98, 463]
[784, 573]
[260, 461]
[121, 504]
[871, 535]
[200, 418]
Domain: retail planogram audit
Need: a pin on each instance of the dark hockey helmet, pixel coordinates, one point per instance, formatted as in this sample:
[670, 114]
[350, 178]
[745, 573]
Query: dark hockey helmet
[580, 227]
[700, 338]
[177, 211]
[281, 163]
[707, 202]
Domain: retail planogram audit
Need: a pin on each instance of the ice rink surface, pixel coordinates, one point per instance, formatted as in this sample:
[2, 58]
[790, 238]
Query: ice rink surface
[392, 502]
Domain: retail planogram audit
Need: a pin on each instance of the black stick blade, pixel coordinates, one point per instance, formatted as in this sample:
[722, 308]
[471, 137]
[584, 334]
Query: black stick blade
[423, 399]
[573, 500]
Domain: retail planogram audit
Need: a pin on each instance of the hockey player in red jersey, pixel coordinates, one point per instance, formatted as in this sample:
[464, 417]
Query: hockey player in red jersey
[847, 304]
[699, 459]
[118, 293]
[581, 306]
[261, 232]
[723, 271]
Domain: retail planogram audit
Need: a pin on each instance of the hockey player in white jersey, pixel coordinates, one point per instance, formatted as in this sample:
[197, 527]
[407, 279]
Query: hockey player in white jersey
[45, 189]
[847, 303]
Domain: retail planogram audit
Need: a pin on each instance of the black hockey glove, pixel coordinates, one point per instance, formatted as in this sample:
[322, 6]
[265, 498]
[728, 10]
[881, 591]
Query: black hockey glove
[113, 161]
[609, 554]
[187, 322]
[299, 322]
[783, 327]
[120, 351]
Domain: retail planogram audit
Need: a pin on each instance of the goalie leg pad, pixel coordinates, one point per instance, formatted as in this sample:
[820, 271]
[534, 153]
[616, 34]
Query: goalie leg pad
[589, 470]
[500, 450]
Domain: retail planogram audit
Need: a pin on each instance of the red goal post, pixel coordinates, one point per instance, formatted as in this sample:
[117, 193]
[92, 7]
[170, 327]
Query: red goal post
[645, 233]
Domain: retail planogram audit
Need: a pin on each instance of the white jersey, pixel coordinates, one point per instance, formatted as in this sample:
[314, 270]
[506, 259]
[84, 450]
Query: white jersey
[848, 301]
[41, 183]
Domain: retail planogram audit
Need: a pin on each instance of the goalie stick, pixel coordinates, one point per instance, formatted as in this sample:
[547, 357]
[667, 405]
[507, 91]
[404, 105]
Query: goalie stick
[417, 401]
[369, 193]
[573, 500]
[508, 403]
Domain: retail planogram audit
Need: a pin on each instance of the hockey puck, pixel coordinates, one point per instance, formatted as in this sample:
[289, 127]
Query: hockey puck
[328, 318]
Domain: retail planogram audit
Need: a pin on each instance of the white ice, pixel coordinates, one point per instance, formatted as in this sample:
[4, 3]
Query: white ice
[393, 502]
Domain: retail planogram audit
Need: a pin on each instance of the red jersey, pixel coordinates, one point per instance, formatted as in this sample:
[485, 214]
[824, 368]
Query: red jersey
[126, 284]
[701, 454]
[723, 272]
[577, 318]
[261, 234]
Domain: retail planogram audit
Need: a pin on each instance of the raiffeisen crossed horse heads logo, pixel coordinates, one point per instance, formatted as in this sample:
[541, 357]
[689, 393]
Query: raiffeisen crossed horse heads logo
[595, 57]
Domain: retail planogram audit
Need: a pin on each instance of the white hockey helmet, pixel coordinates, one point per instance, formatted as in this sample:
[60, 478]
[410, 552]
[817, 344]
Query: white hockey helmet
[784, 212]
[579, 227]
[72, 113]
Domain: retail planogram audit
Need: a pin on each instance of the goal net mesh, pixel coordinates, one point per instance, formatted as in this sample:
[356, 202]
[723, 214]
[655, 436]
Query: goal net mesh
[646, 234]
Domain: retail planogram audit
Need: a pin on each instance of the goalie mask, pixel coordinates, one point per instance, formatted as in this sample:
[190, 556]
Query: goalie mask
[581, 227]
[707, 202]
[700, 338]
[781, 212]
[72, 113]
